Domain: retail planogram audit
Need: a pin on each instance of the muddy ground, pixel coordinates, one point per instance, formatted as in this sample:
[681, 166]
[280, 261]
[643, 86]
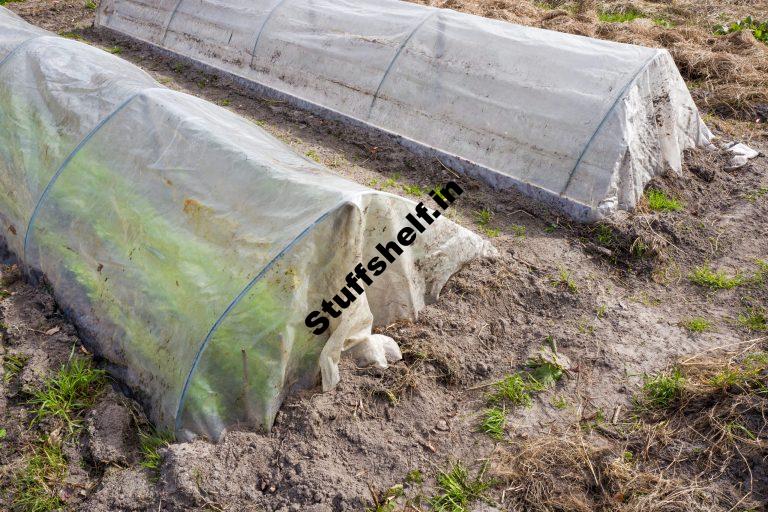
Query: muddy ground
[613, 301]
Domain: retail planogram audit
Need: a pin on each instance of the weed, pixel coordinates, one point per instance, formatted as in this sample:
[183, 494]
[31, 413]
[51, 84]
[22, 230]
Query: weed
[74, 388]
[660, 391]
[623, 16]
[373, 183]
[754, 319]
[3, 434]
[150, 443]
[71, 35]
[559, 402]
[519, 231]
[639, 248]
[483, 217]
[663, 22]
[413, 190]
[12, 365]
[706, 277]
[457, 490]
[90, 5]
[658, 201]
[551, 228]
[438, 191]
[386, 503]
[604, 235]
[494, 422]
[115, 50]
[178, 67]
[565, 280]
[546, 373]
[225, 103]
[697, 324]
[390, 182]
[758, 29]
[414, 476]
[601, 310]
[752, 197]
[37, 482]
[312, 154]
[491, 232]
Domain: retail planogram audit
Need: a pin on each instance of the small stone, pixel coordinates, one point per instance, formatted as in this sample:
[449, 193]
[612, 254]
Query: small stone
[442, 425]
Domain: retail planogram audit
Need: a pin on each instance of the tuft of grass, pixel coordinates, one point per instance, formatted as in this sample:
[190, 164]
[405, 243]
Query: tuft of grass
[662, 390]
[697, 324]
[312, 155]
[74, 388]
[559, 402]
[515, 389]
[457, 490]
[565, 280]
[414, 476]
[3, 434]
[12, 365]
[483, 217]
[658, 201]
[38, 482]
[623, 16]
[413, 190]
[91, 5]
[604, 235]
[719, 280]
[115, 50]
[150, 444]
[519, 231]
[754, 319]
[494, 422]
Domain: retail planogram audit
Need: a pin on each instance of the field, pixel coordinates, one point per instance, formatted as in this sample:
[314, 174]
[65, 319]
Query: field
[620, 366]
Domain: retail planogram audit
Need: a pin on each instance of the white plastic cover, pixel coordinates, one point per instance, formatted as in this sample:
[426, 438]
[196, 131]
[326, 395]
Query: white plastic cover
[187, 243]
[579, 123]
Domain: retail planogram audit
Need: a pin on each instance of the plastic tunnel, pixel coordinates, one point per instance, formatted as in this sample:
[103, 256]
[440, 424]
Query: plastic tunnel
[189, 245]
[580, 124]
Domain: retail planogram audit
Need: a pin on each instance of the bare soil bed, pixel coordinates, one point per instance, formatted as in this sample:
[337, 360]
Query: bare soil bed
[654, 373]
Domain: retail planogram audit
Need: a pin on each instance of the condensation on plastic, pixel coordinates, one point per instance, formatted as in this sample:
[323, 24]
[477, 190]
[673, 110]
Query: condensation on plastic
[188, 244]
[581, 124]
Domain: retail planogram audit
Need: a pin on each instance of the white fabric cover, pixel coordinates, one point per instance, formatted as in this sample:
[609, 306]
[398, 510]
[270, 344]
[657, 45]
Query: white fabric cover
[187, 243]
[579, 123]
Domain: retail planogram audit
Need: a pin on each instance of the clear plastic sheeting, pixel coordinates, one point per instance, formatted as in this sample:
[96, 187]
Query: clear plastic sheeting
[581, 124]
[188, 244]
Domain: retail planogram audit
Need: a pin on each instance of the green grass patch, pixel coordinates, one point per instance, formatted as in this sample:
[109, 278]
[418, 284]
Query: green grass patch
[697, 324]
[662, 390]
[715, 280]
[623, 16]
[658, 201]
[38, 482]
[12, 365]
[565, 280]
[494, 422]
[754, 319]
[74, 388]
[457, 490]
[483, 217]
[150, 444]
[413, 190]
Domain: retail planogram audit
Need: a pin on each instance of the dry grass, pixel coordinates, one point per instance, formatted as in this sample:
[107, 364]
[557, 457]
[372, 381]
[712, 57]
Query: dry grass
[702, 450]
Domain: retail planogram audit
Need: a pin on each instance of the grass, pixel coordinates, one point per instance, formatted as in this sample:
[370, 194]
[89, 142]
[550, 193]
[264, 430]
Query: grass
[758, 29]
[697, 324]
[37, 483]
[115, 50]
[559, 402]
[565, 280]
[12, 365]
[3, 434]
[483, 217]
[623, 16]
[604, 235]
[494, 422]
[150, 444]
[519, 231]
[662, 390]
[413, 190]
[658, 201]
[754, 319]
[74, 388]
[715, 280]
[91, 5]
[457, 490]
[312, 154]
[515, 389]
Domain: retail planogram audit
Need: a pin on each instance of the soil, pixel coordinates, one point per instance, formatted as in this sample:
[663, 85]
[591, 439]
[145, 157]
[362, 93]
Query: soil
[620, 320]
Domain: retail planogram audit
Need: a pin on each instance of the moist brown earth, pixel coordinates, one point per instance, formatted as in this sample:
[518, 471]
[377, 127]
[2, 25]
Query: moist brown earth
[610, 299]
